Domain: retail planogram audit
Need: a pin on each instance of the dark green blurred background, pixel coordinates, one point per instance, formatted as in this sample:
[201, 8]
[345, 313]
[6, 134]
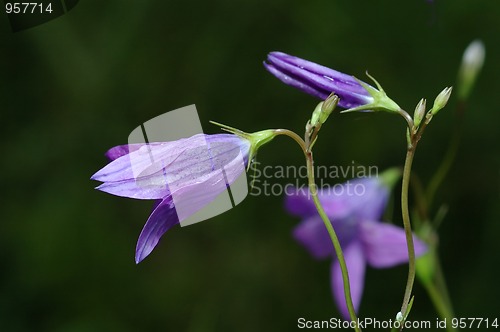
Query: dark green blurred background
[74, 87]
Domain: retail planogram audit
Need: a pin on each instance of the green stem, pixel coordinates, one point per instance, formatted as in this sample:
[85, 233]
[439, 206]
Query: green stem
[333, 235]
[407, 226]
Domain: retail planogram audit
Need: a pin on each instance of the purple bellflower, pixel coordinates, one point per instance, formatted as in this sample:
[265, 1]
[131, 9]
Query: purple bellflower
[186, 171]
[320, 81]
[355, 215]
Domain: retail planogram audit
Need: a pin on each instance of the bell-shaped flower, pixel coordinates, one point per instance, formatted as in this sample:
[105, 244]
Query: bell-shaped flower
[355, 212]
[183, 176]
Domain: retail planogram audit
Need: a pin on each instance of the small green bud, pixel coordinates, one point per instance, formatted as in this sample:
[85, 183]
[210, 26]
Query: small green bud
[472, 62]
[328, 106]
[441, 100]
[419, 112]
[323, 110]
[315, 117]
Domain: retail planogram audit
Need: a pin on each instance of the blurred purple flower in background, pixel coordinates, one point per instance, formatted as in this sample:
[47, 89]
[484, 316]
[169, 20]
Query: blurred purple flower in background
[355, 214]
[317, 80]
[188, 168]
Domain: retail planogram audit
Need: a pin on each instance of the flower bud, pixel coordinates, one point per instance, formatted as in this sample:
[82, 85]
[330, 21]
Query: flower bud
[315, 117]
[441, 100]
[419, 112]
[472, 62]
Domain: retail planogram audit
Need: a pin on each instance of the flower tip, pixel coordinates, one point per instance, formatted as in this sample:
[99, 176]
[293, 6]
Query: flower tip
[141, 254]
[138, 259]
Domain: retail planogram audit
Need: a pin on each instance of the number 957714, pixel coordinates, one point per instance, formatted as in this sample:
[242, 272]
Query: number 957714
[27, 8]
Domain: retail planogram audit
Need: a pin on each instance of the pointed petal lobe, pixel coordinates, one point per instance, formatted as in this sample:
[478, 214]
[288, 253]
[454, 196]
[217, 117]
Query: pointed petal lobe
[161, 220]
[384, 245]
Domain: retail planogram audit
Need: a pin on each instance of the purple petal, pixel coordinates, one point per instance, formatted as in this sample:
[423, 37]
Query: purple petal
[161, 220]
[184, 203]
[154, 170]
[121, 150]
[363, 198]
[356, 265]
[196, 195]
[150, 187]
[313, 235]
[299, 203]
[317, 80]
[295, 82]
[384, 245]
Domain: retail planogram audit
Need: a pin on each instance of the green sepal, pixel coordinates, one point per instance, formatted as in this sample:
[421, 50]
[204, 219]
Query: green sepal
[256, 139]
[381, 102]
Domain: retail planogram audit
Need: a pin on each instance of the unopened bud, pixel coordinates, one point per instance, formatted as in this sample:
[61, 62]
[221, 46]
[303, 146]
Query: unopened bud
[316, 115]
[441, 100]
[472, 62]
[328, 106]
[419, 112]
[324, 109]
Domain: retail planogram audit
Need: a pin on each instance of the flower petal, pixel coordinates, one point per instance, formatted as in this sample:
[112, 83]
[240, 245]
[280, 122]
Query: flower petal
[295, 82]
[150, 187]
[185, 202]
[154, 170]
[161, 220]
[317, 80]
[384, 244]
[298, 202]
[356, 265]
[364, 198]
[314, 236]
[121, 150]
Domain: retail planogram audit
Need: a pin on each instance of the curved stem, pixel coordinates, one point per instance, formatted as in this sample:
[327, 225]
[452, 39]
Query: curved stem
[407, 226]
[294, 136]
[333, 235]
[407, 117]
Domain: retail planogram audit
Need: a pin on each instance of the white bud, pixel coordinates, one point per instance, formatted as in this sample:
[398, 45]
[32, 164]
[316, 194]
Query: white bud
[472, 62]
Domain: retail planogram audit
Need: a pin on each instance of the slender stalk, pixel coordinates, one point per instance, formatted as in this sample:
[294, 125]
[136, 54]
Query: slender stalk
[333, 235]
[407, 226]
[293, 136]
